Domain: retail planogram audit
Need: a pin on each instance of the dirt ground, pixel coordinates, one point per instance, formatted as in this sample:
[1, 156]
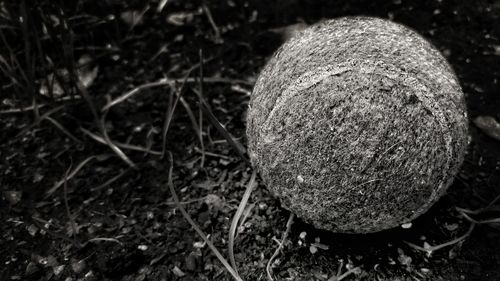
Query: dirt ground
[124, 224]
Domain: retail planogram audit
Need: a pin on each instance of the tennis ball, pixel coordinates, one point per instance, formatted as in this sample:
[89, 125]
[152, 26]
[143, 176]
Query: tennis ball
[357, 124]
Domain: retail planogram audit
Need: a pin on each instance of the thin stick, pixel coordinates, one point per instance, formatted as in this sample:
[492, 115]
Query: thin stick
[277, 251]
[194, 225]
[236, 218]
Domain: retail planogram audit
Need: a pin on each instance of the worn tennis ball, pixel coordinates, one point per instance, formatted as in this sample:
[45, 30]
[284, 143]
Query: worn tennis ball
[357, 124]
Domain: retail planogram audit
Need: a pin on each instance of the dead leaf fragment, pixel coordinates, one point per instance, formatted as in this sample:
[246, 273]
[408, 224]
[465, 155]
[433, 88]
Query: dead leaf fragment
[214, 201]
[180, 18]
[85, 74]
[132, 18]
[489, 125]
[31, 268]
[497, 50]
[178, 272]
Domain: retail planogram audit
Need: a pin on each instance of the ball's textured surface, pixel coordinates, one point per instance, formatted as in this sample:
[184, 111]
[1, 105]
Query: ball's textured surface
[357, 125]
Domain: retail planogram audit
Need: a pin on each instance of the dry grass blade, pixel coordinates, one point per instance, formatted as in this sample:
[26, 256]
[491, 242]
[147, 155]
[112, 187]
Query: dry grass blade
[98, 239]
[113, 146]
[191, 116]
[237, 146]
[29, 61]
[110, 181]
[73, 173]
[134, 91]
[212, 23]
[484, 221]
[443, 245]
[196, 128]
[127, 146]
[245, 215]
[61, 127]
[100, 123]
[236, 219]
[68, 211]
[39, 106]
[45, 115]
[194, 225]
[207, 153]
[170, 82]
[170, 113]
[489, 207]
[283, 239]
[200, 128]
[214, 80]
[187, 202]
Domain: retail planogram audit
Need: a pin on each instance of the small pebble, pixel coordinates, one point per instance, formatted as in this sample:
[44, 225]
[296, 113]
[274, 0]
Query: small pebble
[406, 225]
[78, 266]
[313, 249]
[300, 179]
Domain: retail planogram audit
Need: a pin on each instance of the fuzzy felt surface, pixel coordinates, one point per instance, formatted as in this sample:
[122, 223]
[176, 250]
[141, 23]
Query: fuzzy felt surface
[357, 124]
